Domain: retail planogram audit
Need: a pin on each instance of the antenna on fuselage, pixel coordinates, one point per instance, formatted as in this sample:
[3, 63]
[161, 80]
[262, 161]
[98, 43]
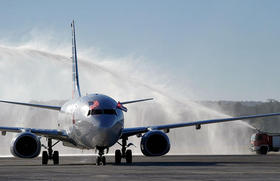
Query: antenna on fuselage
[75, 75]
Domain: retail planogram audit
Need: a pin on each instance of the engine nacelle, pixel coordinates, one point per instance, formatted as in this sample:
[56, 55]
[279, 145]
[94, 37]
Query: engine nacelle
[155, 143]
[26, 145]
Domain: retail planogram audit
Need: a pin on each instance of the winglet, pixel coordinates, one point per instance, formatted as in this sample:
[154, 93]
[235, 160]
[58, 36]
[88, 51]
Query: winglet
[75, 76]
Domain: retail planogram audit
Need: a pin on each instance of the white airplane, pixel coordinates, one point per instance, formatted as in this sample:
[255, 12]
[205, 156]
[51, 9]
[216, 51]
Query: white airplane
[95, 121]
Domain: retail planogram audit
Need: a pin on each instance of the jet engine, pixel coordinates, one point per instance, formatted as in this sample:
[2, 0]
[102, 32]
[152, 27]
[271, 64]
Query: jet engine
[155, 143]
[26, 145]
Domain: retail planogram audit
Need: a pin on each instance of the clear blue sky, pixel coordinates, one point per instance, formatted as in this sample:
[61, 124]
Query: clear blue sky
[225, 49]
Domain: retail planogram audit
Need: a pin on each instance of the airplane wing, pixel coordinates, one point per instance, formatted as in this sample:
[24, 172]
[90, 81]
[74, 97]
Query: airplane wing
[120, 104]
[49, 133]
[138, 130]
[57, 108]
[134, 101]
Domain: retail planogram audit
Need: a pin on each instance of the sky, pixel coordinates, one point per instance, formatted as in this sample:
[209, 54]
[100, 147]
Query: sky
[223, 50]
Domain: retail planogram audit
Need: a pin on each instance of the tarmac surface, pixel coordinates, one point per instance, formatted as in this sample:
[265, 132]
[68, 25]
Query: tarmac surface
[224, 167]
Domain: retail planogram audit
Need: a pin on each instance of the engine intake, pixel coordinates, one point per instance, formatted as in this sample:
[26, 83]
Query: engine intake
[155, 143]
[26, 145]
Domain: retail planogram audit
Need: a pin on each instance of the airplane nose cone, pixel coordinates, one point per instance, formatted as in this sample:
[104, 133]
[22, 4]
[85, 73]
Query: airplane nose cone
[103, 122]
[107, 129]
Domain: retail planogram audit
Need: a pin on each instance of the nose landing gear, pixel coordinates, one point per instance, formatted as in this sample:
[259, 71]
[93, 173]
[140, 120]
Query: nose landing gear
[123, 153]
[101, 160]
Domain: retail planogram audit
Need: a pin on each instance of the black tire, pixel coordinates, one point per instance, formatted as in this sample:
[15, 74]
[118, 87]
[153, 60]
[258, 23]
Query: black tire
[118, 156]
[98, 160]
[45, 158]
[262, 151]
[103, 160]
[55, 157]
[128, 156]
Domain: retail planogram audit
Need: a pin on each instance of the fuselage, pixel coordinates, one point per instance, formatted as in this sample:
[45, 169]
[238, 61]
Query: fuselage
[92, 121]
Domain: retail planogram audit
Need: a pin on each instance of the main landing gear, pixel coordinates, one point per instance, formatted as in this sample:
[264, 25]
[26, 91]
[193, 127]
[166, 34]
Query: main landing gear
[123, 153]
[50, 154]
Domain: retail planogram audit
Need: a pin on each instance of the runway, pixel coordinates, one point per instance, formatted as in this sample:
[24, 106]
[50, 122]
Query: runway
[225, 167]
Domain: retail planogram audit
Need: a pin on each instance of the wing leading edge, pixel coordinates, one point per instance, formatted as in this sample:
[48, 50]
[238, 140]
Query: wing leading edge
[138, 130]
[49, 133]
[57, 108]
[134, 101]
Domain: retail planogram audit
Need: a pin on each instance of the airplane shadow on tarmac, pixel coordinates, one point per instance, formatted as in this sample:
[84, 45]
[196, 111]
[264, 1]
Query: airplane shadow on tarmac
[141, 164]
[164, 164]
[169, 164]
[136, 164]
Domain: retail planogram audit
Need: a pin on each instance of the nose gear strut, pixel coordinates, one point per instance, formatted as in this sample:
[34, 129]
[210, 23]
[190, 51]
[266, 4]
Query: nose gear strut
[100, 159]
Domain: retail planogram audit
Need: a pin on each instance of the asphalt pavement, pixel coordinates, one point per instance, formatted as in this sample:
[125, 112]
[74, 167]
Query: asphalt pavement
[210, 167]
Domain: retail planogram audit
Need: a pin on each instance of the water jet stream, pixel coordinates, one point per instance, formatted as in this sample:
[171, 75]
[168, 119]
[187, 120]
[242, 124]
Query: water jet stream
[29, 74]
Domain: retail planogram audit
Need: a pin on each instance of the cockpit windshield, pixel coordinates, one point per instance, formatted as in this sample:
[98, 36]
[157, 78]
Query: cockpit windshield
[109, 111]
[102, 111]
[96, 111]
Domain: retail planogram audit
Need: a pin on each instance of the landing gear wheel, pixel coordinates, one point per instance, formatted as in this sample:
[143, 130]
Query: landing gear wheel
[125, 153]
[98, 160]
[103, 160]
[55, 157]
[262, 151]
[50, 154]
[45, 158]
[118, 156]
[128, 156]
